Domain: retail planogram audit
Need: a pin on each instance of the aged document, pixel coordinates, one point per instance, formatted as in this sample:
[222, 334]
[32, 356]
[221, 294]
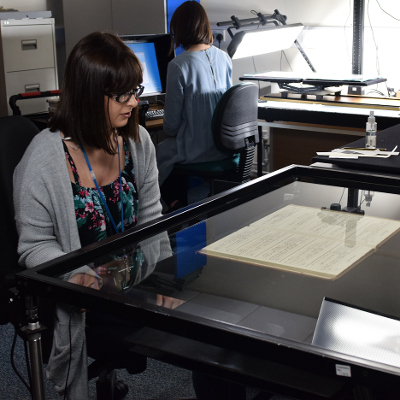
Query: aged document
[306, 240]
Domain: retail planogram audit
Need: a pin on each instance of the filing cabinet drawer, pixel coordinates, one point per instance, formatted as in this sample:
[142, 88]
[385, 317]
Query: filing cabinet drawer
[26, 81]
[27, 47]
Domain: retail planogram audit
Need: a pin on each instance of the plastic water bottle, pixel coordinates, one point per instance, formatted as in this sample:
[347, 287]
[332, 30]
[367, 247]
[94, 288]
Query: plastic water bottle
[370, 136]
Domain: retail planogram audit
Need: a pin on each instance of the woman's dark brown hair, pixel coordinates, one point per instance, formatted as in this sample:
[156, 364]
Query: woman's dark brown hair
[99, 64]
[189, 26]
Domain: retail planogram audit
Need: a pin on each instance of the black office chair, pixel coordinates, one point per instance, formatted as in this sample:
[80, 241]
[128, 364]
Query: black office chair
[16, 133]
[235, 131]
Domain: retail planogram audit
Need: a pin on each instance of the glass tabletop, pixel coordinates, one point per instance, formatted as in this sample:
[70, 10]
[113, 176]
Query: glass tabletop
[284, 258]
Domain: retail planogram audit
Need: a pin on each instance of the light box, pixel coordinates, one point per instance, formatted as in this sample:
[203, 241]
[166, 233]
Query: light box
[356, 332]
[263, 40]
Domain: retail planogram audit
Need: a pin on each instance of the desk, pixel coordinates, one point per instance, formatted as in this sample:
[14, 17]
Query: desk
[295, 141]
[388, 138]
[247, 313]
[155, 124]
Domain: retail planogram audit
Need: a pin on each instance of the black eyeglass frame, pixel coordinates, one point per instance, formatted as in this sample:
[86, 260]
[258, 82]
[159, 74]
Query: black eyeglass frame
[136, 92]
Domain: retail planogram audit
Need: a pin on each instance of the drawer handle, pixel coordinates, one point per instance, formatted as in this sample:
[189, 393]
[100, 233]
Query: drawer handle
[32, 88]
[29, 44]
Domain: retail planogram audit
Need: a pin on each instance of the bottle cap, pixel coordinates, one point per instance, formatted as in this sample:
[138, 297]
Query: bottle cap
[371, 118]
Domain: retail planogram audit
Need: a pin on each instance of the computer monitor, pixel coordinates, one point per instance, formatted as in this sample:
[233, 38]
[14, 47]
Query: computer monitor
[153, 53]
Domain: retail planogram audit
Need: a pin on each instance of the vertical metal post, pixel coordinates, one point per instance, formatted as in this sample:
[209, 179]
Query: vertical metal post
[32, 331]
[260, 152]
[358, 44]
[36, 358]
[352, 199]
[358, 36]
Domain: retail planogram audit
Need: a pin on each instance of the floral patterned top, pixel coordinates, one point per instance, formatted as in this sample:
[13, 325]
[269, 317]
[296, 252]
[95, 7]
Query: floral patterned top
[94, 223]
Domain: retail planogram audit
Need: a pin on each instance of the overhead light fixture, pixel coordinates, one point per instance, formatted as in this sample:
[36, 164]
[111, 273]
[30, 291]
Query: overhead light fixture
[264, 40]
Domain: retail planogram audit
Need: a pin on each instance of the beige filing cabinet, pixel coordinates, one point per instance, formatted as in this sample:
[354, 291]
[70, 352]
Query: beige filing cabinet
[28, 62]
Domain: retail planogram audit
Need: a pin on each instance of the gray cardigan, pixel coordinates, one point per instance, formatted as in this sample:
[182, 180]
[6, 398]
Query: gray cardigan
[46, 224]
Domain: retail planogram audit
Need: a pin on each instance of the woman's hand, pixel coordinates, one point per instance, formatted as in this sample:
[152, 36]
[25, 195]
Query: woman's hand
[168, 302]
[87, 280]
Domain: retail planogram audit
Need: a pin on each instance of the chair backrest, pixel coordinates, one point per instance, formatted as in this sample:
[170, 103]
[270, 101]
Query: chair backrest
[234, 123]
[16, 132]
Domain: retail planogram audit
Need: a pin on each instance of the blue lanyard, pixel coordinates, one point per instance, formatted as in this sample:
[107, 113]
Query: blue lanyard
[103, 200]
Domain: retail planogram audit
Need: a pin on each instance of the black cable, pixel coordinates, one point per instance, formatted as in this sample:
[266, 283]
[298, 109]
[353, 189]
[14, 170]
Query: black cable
[70, 351]
[376, 46]
[378, 68]
[344, 30]
[258, 82]
[397, 19]
[376, 91]
[254, 63]
[387, 12]
[13, 365]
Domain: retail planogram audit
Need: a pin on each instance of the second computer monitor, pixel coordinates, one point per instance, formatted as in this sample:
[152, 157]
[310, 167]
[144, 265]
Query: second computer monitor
[153, 53]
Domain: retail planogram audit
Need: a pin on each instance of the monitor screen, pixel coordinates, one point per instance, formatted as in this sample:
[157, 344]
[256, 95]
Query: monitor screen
[153, 53]
[172, 5]
[146, 53]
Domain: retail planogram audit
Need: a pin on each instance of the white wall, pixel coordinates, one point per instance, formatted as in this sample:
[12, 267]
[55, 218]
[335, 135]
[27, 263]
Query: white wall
[327, 38]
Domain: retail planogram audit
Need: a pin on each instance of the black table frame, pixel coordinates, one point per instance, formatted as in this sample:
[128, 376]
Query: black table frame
[39, 281]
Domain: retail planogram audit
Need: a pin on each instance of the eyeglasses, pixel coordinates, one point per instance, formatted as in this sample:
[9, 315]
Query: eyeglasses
[123, 98]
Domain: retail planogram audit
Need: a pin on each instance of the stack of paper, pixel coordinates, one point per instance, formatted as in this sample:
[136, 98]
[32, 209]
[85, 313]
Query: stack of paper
[355, 153]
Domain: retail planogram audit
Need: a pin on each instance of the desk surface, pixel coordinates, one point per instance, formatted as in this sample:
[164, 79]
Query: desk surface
[154, 124]
[350, 101]
[229, 302]
[388, 138]
[272, 110]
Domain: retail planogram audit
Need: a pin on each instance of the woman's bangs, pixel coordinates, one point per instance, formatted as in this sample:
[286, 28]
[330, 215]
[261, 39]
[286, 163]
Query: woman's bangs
[126, 76]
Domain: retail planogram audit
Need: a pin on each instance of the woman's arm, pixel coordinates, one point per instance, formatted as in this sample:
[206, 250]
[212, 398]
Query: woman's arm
[174, 100]
[37, 242]
[146, 175]
[41, 204]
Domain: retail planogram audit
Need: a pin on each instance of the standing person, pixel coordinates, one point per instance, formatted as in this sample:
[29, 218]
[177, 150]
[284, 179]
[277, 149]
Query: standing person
[196, 80]
[59, 205]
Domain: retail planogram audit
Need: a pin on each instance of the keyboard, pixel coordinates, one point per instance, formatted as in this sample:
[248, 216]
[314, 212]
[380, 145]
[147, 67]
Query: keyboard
[154, 114]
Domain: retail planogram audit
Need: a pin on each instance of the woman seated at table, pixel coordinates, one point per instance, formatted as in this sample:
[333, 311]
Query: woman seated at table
[89, 176]
[196, 80]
